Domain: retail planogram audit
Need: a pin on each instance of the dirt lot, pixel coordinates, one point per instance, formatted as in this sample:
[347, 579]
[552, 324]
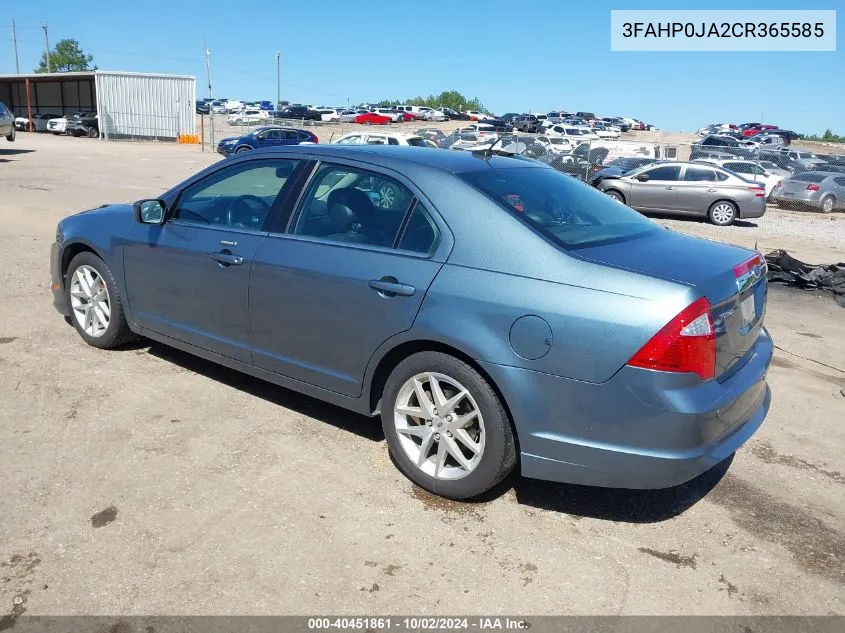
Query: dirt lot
[145, 481]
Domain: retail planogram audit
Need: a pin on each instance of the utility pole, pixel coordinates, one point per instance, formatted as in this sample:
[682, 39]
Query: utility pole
[210, 106]
[207, 66]
[15, 40]
[278, 78]
[46, 47]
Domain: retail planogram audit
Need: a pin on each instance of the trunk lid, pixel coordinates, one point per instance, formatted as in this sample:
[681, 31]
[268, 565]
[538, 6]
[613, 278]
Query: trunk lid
[737, 295]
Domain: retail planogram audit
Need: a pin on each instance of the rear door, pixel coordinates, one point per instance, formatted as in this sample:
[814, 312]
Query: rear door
[348, 272]
[697, 190]
[659, 191]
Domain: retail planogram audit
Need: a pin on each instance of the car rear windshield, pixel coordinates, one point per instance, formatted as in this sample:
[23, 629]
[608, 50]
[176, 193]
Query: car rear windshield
[417, 142]
[566, 211]
[809, 176]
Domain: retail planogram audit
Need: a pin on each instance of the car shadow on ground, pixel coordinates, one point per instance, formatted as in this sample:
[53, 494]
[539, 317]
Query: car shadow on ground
[368, 428]
[618, 504]
[610, 504]
[12, 151]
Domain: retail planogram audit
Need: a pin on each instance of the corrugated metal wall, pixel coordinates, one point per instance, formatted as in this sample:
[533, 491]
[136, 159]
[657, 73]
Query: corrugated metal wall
[132, 105]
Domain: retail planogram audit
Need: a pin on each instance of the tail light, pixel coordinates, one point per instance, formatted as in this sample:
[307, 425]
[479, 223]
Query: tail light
[759, 192]
[687, 344]
[314, 136]
[812, 187]
[749, 265]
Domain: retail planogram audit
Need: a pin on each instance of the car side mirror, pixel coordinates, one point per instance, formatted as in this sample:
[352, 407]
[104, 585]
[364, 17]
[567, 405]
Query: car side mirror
[150, 211]
[642, 177]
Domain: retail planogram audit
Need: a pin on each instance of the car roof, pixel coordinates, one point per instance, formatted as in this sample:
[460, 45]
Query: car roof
[399, 156]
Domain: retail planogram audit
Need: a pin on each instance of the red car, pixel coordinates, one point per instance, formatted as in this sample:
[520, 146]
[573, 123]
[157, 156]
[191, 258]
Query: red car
[371, 118]
[756, 129]
[409, 116]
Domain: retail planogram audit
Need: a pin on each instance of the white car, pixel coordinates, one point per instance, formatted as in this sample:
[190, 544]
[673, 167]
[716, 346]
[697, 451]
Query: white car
[329, 115]
[483, 131]
[384, 138]
[605, 131]
[349, 116]
[248, 117]
[556, 144]
[433, 115]
[233, 105]
[57, 126]
[218, 107]
[557, 116]
[575, 135]
[475, 115]
[749, 170]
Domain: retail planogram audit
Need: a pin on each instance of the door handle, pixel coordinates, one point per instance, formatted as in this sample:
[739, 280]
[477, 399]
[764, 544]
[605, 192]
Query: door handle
[670, 187]
[227, 259]
[390, 287]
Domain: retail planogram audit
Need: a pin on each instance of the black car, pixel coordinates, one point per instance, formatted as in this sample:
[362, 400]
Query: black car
[203, 107]
[297, 112]
[616, 167]
[786, 135]
[454, 115]
[84, 125]
[500, 125]
[722, 144]
[509, 116]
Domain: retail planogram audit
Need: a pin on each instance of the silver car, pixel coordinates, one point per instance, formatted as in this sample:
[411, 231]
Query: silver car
[689, 188]
[822, 191]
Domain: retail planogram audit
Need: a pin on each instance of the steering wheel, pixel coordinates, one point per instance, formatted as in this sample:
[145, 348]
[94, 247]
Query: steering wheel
[231, 215]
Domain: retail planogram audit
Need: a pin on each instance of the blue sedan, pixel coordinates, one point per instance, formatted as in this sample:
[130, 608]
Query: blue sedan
[265, 136]
[493, 312]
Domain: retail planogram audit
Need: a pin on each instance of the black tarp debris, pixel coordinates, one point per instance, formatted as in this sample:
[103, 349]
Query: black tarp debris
[785, 268]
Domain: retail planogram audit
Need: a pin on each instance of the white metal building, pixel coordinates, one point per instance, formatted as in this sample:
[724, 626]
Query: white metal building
[128, 104]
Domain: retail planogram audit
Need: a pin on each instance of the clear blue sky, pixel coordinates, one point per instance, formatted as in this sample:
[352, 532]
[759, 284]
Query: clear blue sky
[513, 56]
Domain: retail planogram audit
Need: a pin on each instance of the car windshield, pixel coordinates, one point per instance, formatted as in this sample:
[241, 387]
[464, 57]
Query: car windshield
[568, 212]
[558, 141]
[417, 141]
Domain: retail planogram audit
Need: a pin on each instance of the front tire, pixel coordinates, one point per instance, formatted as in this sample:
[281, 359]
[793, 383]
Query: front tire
[95, 303]
[616, 195]
[446, 428]
[242, 149]
[722, 213]
[11, 135]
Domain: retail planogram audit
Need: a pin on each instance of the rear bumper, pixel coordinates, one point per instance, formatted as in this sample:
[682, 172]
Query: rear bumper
[756, 208]
[640, 429]
[809, 198]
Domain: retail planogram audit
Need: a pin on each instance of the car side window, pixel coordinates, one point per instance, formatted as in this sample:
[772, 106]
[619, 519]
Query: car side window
[737, 168]
[239, 196]
[350, 140]
[699, 174]
[421, 233]
[666, 172]
[352, 205]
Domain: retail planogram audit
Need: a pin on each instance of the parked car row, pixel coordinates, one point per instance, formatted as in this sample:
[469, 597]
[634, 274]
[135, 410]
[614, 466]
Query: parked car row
[77, 124]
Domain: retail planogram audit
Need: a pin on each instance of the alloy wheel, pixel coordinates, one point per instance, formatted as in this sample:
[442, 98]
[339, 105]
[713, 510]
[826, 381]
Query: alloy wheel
[827, 204]
[89, 300]
[723, 213]
[439, 426]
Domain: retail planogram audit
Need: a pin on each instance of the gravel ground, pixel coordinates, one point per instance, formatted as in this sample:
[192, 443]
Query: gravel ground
[146, 481]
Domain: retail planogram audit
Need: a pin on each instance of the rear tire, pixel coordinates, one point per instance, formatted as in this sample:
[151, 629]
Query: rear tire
[827, 204]
[722, 213]
[95, 303]
[481, 426]
[11, 135]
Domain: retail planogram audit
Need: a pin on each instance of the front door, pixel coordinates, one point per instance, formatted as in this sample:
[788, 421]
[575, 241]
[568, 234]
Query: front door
[349, 272]
[189, 277]
[658, 192]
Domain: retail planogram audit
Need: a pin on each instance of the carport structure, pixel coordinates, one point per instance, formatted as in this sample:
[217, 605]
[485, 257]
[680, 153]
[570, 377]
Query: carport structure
[128, 105]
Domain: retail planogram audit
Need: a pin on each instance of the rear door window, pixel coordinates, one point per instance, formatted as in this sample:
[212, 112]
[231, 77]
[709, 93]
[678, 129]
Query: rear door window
[696, 174]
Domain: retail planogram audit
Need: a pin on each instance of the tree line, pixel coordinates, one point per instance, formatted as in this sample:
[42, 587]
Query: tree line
[447, 99]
